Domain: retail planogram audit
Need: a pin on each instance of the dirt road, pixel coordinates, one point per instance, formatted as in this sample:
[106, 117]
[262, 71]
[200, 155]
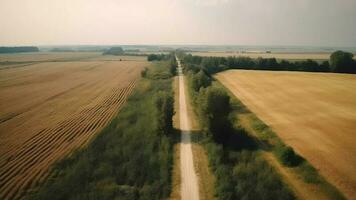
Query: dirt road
[189, 185]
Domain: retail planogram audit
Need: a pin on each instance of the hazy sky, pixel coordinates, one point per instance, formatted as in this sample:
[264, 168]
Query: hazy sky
[234, 22]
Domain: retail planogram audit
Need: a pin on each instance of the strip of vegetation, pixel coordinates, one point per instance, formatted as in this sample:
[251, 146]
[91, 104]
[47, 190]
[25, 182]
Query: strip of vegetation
[287, 156]
[18, 49]
[340, 62]
[158, 57]
[240, 170]
[132, 157]
[266, 138]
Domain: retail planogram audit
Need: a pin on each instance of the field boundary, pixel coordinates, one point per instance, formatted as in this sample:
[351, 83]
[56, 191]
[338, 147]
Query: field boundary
[270, 145]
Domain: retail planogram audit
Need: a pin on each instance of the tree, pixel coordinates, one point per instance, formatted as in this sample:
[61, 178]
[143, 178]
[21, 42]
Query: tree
[173, 66]
[324, 67]
[114, 51]
[165, 111]
[18, 49]
[215, 110]
[342, 62]
[199, 80]
[152, 57]
[287, 156]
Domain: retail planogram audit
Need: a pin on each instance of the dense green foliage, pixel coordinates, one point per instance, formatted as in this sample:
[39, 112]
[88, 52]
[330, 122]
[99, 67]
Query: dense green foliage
[216, 64]
[342, 62]
[158, 57]
[214, 111]
[173, 66]
[131, 158]
[240, 171]
[244, 175]
[165, 110]
[199, 80]
[62, 50]
[116, 51]
[287, 156]
[169, 57]
[18, 49]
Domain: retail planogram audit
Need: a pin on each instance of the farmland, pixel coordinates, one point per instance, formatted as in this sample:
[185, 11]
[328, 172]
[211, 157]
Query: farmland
[52, 104]
[286, 56]
[312, 112]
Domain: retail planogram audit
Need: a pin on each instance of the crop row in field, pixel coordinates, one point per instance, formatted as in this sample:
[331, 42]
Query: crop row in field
[64, 114]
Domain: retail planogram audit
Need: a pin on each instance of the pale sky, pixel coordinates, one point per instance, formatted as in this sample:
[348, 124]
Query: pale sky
[216, 22]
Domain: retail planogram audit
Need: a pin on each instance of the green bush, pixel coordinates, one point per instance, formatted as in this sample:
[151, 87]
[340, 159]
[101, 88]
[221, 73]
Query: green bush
[214, 110]
[244, 175]
[257, 180]
[165, 111]
[287, 156]
[342, 62]
[200, 80]
[173, 66]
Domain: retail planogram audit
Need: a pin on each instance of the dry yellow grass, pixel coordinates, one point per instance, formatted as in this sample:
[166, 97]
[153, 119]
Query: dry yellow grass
[49, 109]
[301, 189]
[287, 56]
[315, 113]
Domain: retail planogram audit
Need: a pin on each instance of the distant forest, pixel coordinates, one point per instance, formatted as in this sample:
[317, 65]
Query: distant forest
[18, 49]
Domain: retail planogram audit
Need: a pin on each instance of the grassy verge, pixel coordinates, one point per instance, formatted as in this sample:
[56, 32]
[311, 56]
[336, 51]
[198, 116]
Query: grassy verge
[268, 140]
[130, 158]
[240, 170]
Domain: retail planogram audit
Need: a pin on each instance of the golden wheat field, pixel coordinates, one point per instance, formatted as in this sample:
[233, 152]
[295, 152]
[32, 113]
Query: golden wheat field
[48, 109]
[286, 56]
[315, 113]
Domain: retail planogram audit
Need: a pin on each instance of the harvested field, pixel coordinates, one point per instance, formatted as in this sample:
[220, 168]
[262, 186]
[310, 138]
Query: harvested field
[286, 56]
[49, 109]
[46, 56]
[315, 113]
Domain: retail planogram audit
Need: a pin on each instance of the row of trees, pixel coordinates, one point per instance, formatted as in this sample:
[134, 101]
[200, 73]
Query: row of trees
[164, 103]
[18, 49]
[342, 62]
[213, 106]
[339, 62]
[240, 172]
[116, 51]
[159, 57]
